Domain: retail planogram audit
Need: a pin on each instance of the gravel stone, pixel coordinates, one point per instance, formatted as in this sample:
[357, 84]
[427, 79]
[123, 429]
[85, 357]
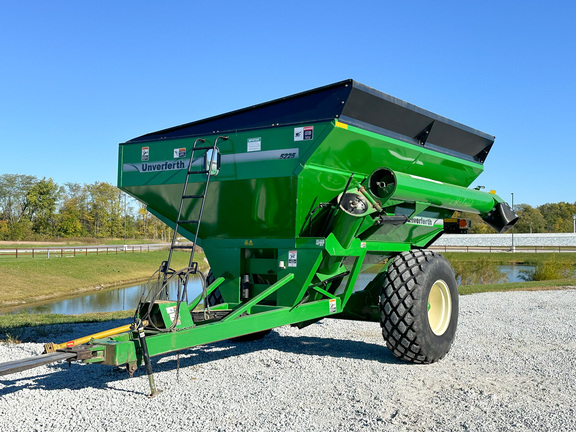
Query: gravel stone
[512, 367]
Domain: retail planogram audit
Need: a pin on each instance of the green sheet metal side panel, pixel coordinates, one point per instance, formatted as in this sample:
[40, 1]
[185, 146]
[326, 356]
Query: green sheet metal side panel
[253, 195]
[254, 208]
[347, 149]
[351, 149]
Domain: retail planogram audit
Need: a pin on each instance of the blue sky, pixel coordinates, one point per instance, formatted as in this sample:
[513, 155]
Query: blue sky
[77, 78]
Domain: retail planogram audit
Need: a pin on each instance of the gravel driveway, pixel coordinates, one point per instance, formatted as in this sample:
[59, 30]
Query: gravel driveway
[512, 367]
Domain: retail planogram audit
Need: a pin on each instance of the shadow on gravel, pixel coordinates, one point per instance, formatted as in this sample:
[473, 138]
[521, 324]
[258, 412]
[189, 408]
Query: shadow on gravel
[300, 345]
[79, 376]
[62, 377]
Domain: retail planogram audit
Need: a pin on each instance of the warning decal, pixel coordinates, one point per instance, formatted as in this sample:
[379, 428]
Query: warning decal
[179, 153]
[172, 313]
[332, 306]
[303, 133]
[254, 144]
[292, 258]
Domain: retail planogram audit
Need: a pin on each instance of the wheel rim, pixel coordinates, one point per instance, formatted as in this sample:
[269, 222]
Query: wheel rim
[439, 307]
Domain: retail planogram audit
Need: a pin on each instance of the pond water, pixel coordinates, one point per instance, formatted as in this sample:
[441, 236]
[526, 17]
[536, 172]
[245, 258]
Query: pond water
[127, 298]
[515, 272]
[118, 299]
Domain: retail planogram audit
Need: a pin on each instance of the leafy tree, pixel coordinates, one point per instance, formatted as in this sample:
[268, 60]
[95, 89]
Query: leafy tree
[21, 230]
[74, 219]
[40, 206]
[106, 209]
[531, 219]
[69, 221]
[13, 191]
[558, 216]
[4, 229]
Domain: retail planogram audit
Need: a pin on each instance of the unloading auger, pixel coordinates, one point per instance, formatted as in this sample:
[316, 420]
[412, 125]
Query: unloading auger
[291, 201]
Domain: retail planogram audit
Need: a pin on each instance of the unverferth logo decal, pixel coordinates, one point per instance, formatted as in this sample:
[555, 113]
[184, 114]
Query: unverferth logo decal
[425, 221]
[145, 167]
[163, 166]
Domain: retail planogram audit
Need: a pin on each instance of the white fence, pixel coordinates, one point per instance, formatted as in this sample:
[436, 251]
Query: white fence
[504, 242]
[47, 252]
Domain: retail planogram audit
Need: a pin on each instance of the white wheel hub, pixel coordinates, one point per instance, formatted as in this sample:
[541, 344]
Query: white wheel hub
[439, 307]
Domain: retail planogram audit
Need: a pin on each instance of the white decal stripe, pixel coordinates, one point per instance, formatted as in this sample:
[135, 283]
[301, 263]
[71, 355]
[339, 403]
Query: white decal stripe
[171, 165]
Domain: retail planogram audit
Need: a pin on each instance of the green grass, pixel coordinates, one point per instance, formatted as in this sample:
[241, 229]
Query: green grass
[511, 258]
[15, 328]
[35, 280]
[518, 286]
[18, 320]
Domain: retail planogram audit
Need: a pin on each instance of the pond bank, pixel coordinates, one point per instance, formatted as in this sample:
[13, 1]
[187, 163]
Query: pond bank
[33, 281]
[6, 307]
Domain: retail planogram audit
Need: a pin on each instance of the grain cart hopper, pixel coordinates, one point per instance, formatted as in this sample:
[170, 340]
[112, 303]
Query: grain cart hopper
[291, 200]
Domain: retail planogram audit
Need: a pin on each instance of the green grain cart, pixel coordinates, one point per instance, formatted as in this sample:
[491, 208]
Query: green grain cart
[316, 205]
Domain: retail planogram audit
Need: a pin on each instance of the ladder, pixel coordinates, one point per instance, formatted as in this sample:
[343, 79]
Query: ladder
[165, 270]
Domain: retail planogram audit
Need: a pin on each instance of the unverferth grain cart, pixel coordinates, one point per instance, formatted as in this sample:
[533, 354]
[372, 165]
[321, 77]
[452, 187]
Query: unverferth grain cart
[292, 200]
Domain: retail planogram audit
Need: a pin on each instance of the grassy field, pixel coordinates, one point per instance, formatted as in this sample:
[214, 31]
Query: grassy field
[33, 280]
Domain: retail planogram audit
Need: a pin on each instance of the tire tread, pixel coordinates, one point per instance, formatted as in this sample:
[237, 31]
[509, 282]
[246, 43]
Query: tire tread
[397, 301]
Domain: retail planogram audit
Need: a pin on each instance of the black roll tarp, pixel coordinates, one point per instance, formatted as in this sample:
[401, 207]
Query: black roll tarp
[353, 103]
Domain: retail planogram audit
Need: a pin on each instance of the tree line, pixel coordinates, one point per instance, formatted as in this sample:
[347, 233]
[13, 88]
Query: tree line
[37, 209]
[40, 209]
[546, 218]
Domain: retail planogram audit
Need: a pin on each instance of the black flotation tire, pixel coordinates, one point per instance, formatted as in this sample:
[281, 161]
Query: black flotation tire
[404, 304]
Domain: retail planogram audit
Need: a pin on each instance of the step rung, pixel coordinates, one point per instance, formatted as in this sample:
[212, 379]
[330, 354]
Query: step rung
[203, 148]
[182, 247]
[192, 196]
[187, 221]
[199, 172]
